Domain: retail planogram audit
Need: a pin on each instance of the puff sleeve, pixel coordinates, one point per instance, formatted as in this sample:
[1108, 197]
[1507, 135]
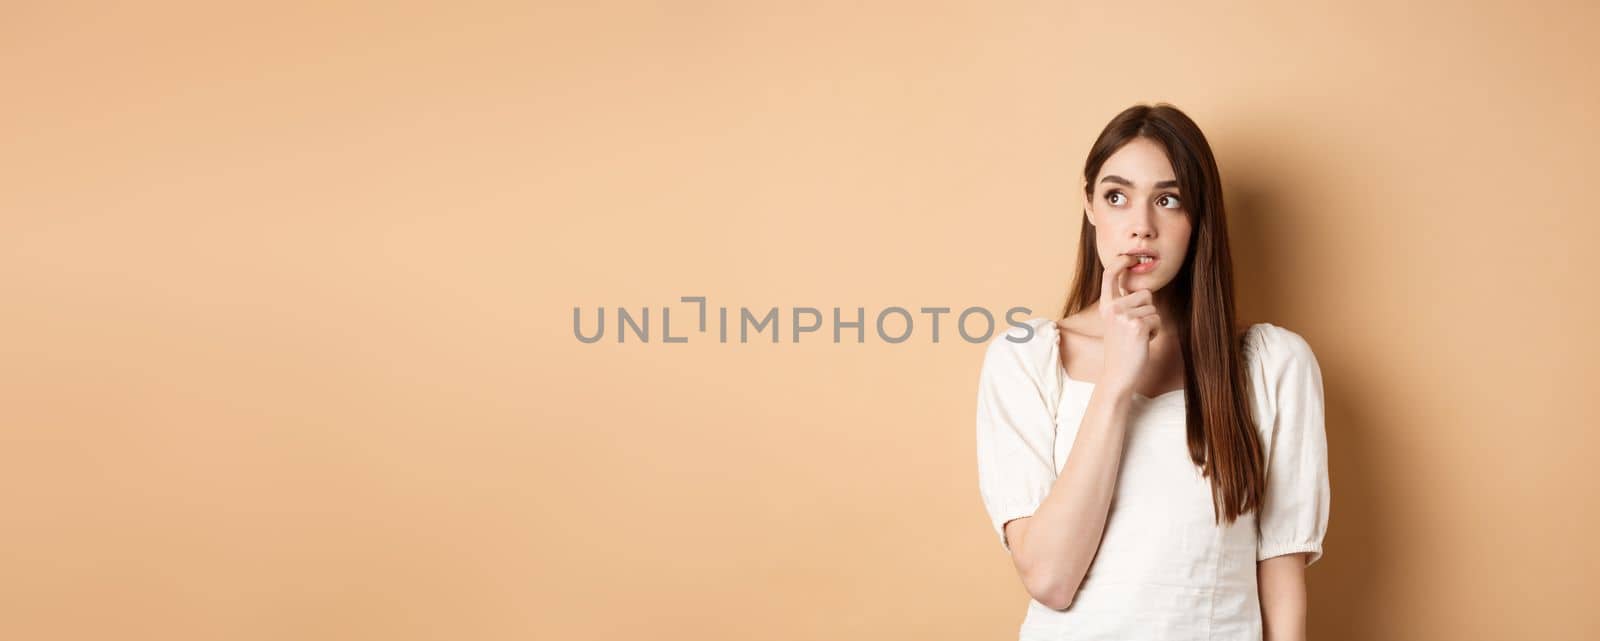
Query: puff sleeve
[1294, 511]
[1017, 392]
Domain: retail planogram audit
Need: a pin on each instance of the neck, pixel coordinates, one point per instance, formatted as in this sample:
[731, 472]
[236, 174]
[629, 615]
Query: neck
[1166, 306]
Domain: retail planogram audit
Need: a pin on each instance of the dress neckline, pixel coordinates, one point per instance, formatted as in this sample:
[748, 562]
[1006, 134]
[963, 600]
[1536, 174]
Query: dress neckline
[1070, 379]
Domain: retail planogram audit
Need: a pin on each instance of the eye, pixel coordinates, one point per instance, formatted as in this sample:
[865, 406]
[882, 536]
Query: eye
[1114, 194]
[1172, 199]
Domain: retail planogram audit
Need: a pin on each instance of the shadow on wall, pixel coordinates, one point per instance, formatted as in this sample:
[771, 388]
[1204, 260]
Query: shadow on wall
[1346, 598]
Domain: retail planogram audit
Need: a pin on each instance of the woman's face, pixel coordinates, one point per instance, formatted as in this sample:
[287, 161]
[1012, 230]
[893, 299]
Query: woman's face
[1136, 208]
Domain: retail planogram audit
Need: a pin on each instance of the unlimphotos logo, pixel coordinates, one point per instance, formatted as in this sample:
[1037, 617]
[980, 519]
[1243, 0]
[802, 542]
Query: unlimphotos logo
[892, 324]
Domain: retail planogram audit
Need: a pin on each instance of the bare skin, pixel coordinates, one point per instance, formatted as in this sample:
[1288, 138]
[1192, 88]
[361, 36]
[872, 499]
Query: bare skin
[1281, 582]
[1083, 351]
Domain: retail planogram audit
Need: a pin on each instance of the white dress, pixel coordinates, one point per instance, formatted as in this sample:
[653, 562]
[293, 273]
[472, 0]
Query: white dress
[1164, 570]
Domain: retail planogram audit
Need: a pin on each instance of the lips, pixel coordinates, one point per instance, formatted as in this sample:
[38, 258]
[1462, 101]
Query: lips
[1147, 260]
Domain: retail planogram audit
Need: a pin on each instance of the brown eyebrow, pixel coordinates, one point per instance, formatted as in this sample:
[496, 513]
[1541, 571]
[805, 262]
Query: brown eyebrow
[1113, 178]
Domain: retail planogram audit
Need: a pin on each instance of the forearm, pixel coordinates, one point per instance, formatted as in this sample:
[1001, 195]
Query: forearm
[1281, 583]
[1064, 533]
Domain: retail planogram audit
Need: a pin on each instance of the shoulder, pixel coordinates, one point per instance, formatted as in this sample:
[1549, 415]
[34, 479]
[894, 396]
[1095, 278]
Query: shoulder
[1274, 349]
[1028, 346]
[1031, 334]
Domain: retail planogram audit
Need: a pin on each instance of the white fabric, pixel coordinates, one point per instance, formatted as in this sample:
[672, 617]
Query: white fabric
[1164, 569]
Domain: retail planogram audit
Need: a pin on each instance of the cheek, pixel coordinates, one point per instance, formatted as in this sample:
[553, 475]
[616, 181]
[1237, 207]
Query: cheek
[1103, 242]
[1179, 237]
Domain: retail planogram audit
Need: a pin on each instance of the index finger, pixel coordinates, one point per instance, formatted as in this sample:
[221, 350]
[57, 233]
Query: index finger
[1113, 277]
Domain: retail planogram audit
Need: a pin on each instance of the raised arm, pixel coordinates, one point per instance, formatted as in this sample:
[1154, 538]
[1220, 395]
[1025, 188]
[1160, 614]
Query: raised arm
[1052, 548]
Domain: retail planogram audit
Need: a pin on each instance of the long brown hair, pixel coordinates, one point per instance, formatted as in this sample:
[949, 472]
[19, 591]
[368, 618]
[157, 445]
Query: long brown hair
[1223, 441]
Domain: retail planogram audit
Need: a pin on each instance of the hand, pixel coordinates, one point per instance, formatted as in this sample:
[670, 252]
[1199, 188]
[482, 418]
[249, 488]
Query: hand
[1130, 322]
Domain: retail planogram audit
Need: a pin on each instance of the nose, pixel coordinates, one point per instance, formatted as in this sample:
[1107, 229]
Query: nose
[1141, 223]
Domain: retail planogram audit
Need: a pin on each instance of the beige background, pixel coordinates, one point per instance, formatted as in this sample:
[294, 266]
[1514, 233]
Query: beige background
[288, 295]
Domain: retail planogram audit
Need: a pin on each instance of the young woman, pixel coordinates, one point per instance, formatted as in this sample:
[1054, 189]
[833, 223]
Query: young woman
[1155, 471]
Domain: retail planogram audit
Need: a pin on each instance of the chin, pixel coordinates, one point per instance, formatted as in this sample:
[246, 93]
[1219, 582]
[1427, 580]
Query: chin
[1147, 281]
